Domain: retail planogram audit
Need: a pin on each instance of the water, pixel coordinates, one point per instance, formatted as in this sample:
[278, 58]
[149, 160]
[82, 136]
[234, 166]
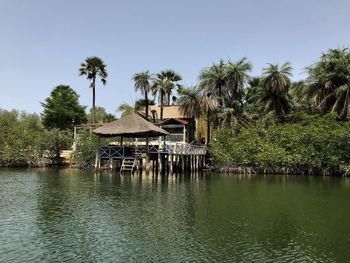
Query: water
[78, 216]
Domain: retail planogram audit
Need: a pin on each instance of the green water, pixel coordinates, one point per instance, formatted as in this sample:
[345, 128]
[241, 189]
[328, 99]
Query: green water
[77, 216]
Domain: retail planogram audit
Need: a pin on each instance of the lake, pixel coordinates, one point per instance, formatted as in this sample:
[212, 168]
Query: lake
[68, 215]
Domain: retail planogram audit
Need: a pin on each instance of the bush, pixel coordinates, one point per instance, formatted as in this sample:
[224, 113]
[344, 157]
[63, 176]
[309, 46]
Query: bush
[314, 144]
[54, 141]
[85, 150]
[24, 142]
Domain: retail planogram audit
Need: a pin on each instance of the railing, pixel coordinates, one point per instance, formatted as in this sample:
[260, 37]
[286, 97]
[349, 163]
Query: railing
[119, 152]
[179, 148]
[112, 152]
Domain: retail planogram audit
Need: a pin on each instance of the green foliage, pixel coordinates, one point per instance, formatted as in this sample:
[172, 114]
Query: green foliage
[101, 115]
[142, 84]
[312, 144]
[92, 68]
[24, 142]
[190, 101]
[329, 82]
[19, 138]
[85, 149]
[141, 103]
[62, 109]
[54, 141]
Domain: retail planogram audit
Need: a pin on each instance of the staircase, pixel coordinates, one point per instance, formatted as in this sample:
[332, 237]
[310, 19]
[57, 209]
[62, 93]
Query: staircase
[128, 164]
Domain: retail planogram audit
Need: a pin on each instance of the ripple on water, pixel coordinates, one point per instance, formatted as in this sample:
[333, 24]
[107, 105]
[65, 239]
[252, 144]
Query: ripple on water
[74, 216]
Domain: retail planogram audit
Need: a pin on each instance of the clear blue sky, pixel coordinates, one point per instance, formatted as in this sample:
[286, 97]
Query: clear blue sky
[43, 42]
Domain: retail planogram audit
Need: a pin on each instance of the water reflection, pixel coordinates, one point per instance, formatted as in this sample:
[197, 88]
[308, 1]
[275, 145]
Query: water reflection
[80, 216]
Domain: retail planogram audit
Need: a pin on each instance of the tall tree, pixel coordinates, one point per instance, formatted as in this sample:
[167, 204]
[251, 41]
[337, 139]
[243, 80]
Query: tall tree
[194, 103]
[329, 81]
[163, 85]
[208, 105]
[237, 77]
[62, 109]
[101, 115]
[190, 101]
[92, 68]
[143, 84]
[276, 83]
[253, 93]
[214, 80]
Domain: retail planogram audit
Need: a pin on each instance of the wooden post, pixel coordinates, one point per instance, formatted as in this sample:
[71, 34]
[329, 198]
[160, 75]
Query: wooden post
[192, 162]
[147, 154]
[159, 162]
[97, 158]
[110, 160]
[171, 163]
[184, 133]
[183, 162]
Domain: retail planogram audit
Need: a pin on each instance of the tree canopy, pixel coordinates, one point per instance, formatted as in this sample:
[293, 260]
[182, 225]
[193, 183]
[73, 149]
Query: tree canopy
[62, 109]
[92, 68]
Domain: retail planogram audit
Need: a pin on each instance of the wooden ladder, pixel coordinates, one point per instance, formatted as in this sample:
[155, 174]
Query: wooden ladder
[128, 164]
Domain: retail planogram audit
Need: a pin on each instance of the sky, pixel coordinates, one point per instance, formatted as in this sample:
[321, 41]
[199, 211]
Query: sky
[43, 42]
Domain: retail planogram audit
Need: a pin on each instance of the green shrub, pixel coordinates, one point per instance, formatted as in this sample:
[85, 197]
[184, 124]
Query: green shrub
[85, 149]
[24, 141]
[315, 143]
[53, 141]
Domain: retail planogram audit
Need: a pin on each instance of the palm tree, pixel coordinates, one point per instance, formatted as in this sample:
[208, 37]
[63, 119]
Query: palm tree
[126, 108]
[93, 67]
[143, 84]
[342, 103]
[299, 99]
[190, 101]
[252, 97]
[194, 103]
[237, 76]
[174, 78]
[163, 85]
[329, 81]
[142, 103]
[275, 85]
[213, 80]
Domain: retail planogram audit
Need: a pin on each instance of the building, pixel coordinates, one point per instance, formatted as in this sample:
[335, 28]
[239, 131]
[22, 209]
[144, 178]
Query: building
[181, 128]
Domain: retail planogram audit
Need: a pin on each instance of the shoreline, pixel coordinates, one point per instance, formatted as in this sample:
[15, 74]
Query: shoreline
[241, 169]
[232, 169]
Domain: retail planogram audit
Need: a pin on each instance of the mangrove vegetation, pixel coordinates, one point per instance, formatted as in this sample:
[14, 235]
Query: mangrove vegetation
[269, 123]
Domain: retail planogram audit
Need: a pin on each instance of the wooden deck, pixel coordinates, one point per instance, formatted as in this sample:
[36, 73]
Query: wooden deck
[162, 156]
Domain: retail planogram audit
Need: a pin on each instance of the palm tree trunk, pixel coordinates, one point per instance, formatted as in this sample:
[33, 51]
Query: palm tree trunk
[161, 105]
[146, 98]
[221, 99]
[208, 127]
[93, 100]
[345, 110]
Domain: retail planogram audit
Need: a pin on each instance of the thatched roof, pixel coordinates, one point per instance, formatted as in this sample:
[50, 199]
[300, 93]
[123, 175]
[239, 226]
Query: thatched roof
[131, 125]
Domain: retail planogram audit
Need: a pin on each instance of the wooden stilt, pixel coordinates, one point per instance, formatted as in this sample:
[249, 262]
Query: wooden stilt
[147, 154]
[159, 162]
[182, 162]
[97, 158]
[171, 163]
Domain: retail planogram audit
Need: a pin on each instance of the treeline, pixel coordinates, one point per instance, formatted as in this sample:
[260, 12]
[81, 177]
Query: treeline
[303, 144]
[25, 142]
[249, 117]
[270, 123]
